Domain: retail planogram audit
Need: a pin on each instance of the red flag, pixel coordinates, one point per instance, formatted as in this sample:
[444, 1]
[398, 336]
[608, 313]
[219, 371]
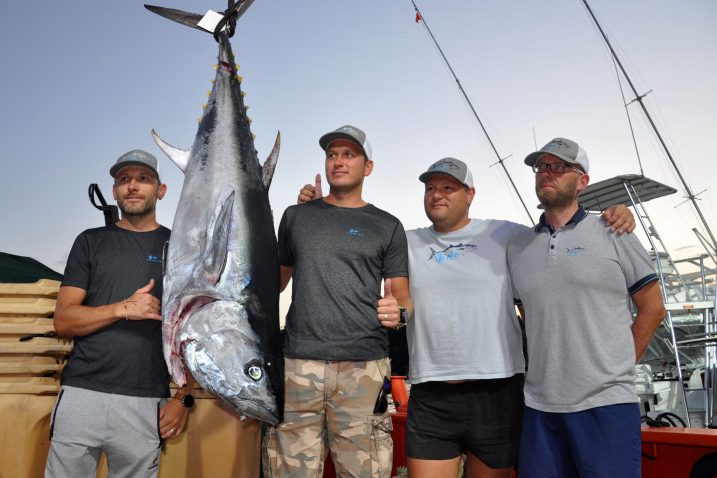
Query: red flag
[418, 17]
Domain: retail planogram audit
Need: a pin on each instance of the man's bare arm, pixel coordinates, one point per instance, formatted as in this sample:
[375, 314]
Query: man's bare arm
[74, 319]
[650, 312]
[285, 273]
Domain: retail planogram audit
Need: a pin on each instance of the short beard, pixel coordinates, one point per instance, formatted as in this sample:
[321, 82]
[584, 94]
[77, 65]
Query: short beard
[558, 198]
[144, 210]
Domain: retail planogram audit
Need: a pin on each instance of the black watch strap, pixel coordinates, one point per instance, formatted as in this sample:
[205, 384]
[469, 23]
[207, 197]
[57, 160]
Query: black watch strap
[402, 317]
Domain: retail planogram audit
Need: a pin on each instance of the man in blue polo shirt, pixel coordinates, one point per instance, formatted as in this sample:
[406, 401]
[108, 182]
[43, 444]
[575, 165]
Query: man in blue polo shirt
[575, 281]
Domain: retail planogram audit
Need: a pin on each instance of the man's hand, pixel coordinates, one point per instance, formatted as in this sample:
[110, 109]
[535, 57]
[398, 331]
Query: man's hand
[142, 305]
[619, 218]
[172, 418]
[387, 309]
[308, 193]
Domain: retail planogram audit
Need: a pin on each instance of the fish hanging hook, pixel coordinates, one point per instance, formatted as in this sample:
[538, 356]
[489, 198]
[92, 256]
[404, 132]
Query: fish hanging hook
[230, 20]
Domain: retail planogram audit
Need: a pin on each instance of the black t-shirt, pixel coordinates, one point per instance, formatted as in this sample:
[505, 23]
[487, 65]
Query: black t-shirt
[125, 358]
[339, 256]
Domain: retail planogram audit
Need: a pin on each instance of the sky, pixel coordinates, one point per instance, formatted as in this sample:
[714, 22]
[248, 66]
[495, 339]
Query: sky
[82, 82]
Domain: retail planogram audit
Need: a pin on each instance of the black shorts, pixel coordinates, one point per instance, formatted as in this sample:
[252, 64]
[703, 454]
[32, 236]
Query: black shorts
[483, 417]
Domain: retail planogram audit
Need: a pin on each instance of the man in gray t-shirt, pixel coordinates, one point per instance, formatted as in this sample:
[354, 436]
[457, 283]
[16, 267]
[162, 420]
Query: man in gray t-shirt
[575, 281]
[337, 250]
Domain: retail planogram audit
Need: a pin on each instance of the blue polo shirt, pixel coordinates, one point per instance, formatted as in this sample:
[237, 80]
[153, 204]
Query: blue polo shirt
[575, 284]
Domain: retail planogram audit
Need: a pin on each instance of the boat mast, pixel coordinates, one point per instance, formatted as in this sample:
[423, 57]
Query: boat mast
[690, 196]
[421, 18]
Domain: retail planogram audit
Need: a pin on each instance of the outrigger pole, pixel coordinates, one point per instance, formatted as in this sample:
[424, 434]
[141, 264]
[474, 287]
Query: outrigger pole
[421, 18]
[690, 196]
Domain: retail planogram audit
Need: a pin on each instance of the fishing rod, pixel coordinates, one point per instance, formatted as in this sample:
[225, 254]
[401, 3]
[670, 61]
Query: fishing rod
[421, 18]
[638, 98]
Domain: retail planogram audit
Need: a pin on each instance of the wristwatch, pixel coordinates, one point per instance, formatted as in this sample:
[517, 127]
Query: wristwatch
[402, 317]
[186, 399]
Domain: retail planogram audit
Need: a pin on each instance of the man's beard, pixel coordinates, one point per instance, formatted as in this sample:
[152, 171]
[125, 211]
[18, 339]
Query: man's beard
[143, 209]
[558, 198]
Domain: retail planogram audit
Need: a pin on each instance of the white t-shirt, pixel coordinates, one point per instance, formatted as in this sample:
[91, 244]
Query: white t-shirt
[464, 325]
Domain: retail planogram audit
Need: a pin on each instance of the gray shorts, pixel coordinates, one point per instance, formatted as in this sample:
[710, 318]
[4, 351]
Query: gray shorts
[86, 423]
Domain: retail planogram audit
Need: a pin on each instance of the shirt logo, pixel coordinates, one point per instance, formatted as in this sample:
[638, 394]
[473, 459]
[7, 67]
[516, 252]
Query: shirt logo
[575, 251]
[354, 231]
[452, 252]
[154, 258]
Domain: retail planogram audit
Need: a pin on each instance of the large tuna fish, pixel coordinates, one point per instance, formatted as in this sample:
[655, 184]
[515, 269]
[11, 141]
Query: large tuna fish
[220, 305]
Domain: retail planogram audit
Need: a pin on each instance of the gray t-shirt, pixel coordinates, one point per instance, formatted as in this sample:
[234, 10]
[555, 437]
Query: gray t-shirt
[464, 325]
[339, 256]
[125, 357]
[575, 285]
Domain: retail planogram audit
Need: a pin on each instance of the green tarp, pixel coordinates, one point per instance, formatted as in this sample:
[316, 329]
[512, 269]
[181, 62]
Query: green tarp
[19, 269]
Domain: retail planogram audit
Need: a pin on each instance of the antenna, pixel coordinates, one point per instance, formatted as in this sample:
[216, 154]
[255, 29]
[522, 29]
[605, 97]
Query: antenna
[421, 18]
[638, 98]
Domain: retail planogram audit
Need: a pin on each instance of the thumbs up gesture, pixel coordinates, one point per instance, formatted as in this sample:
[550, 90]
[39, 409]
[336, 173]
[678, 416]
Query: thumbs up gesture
[310, 192]
[387, 307]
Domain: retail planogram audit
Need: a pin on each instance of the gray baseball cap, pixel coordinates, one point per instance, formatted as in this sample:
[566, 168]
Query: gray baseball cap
[136, 157]
[349, 133]
[563, 148]
[452, 167]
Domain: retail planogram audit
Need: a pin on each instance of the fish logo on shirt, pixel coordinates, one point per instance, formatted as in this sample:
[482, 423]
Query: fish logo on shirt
[354, 231]
[575, 251]
[452, 252]
[154, 258]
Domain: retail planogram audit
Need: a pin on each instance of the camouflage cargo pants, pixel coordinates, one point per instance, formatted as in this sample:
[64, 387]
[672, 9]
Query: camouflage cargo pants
[329, 406]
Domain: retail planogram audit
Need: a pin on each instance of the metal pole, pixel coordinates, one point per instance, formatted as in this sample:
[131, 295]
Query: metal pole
[475, 114]
[639, 98]
[632, 194]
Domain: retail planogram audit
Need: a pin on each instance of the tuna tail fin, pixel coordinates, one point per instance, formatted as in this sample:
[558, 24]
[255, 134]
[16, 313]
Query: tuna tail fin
[180, 157]
[231, 14]
[185, 18]
[214, 258]
[267, 170]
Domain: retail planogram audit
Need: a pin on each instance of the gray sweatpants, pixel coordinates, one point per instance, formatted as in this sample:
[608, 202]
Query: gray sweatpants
[85, 423]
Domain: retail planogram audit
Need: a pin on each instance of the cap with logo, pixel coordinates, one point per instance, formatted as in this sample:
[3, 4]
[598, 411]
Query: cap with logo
[562, 148]
[136, 157]
[453, 167]
[348, 133]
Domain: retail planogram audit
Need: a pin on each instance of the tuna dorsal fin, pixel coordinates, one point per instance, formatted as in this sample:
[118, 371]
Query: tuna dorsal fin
[180, 157]
[214, 258]
[267, 170]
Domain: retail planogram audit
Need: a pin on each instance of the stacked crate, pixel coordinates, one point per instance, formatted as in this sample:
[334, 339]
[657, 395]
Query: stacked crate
[29, 374]
[215, 443]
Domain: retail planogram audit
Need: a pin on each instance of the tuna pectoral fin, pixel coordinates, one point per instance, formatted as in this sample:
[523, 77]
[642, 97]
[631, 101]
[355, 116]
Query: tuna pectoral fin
[180, 157]
[214, 258]
[270, 163]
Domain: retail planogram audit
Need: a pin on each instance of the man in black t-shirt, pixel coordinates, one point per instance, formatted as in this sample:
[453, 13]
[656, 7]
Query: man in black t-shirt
[337, 250]
[115, 384]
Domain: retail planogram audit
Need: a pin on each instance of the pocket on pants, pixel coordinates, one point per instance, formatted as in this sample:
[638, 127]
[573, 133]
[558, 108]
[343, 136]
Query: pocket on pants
[158, 428]
[268, 451]
[53, 417]
[381, 445]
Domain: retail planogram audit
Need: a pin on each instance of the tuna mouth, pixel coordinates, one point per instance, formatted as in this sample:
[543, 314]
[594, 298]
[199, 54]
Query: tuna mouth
[258, 411]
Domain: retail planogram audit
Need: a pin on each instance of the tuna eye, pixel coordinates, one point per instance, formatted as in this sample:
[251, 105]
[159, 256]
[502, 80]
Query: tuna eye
[254, 371]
